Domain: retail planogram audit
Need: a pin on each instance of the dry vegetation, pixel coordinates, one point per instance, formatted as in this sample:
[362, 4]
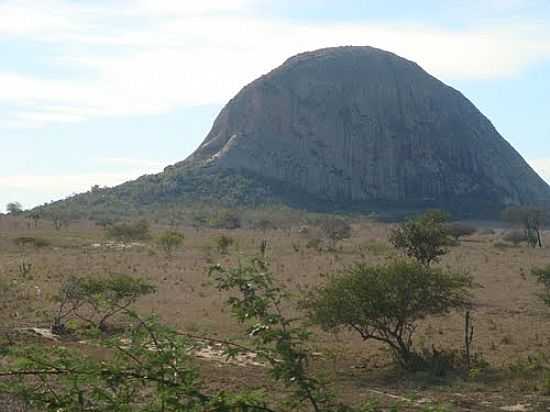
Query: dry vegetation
[511, 325]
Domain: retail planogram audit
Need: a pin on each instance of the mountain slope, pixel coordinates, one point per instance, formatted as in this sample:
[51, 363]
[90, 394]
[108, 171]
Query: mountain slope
[347, 127]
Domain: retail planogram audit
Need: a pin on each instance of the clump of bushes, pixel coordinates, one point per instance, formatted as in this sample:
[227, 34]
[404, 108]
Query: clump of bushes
[23, 241]
[129, 232]
[170, 240]
[223, 243]
[459, 230]
[532, 219]
[227, 219]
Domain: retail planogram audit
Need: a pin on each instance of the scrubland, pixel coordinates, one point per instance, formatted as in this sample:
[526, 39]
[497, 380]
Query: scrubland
[511, 326]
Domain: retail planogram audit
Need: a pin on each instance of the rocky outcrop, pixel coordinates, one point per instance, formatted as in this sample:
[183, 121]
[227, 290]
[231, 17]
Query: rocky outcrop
[358, 124]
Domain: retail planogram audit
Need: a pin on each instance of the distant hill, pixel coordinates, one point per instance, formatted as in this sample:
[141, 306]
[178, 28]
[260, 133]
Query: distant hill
[347, 128]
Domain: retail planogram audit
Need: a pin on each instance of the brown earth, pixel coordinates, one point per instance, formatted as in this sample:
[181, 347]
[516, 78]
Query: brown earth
[510, 323]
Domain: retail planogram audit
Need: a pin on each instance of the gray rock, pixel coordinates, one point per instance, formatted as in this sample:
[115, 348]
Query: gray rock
[362, 124]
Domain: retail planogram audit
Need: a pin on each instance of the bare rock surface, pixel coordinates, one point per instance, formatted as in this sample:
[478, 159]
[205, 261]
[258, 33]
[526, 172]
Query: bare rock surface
[362, 124]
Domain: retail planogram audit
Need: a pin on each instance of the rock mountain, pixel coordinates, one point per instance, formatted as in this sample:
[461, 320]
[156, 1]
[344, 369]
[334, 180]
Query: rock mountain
[342, 128]
[362, 124]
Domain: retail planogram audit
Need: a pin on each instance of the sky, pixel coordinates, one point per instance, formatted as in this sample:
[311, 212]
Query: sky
[103, 91]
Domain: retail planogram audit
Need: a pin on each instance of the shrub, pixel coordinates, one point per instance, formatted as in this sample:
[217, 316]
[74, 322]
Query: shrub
[129, 232]
[226, 220]
[199, 219]
[169, 241]
[148, 369]
[223, 243]
[104, 222]
[543, 278]
[264, 225]
[384, 303]
[516, 237]
[96, 300]
[23, 241]
[458, 230]
[423, 238]
[314, 243]
[532, 219]
[334, 230]
[281, 342]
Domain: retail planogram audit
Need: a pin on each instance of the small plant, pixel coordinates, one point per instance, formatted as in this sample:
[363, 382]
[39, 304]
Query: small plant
[169, 241]
[542, 276]
[223, 243]
[314, 243]
[198, 220]
[423, 238]
[59, 220]
[468, 338]
[264, 244]
[25, 269]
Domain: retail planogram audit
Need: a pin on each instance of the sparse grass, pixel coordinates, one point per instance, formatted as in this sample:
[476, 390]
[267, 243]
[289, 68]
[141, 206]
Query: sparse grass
[511, 323]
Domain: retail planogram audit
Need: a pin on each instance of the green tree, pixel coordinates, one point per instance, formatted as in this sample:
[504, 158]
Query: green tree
[384, 303]
[14, 208]
[423, 238]
[169, 241]
[95, 300]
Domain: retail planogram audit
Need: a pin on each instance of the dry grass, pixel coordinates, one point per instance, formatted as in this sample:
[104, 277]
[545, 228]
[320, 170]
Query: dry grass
[510, 323]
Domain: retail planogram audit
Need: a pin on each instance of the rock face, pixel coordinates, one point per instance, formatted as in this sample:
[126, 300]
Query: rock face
[360, 124]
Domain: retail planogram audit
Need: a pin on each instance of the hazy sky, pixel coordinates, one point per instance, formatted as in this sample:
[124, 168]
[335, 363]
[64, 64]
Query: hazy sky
[101, 91]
